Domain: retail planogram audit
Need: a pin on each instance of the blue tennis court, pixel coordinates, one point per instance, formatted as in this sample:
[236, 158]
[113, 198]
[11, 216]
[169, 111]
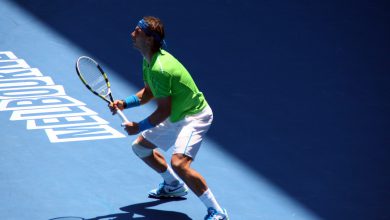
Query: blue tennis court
[300, 93]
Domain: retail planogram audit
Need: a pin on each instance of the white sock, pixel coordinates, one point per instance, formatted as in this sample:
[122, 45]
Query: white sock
[170, 177]
[209, 201]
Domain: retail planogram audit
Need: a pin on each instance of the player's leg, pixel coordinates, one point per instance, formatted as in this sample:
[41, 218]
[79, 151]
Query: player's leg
[187, 146]
[146, 151]
[171, 187]
[181, 164]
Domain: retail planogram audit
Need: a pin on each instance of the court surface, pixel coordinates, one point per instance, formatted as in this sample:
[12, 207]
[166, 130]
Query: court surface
[300, 94]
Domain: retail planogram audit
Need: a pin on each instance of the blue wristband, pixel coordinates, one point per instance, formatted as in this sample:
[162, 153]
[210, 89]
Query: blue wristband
[131, 101]
[144, 125]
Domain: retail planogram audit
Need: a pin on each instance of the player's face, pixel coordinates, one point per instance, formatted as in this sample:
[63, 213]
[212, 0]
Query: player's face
[135, 37]
[139, 38]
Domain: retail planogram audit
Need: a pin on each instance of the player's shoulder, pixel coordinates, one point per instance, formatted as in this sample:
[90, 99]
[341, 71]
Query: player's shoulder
[168, 59]
[165, 55]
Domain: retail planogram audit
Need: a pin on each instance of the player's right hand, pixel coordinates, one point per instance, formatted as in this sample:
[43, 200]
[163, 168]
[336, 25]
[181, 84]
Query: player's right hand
[117, 104]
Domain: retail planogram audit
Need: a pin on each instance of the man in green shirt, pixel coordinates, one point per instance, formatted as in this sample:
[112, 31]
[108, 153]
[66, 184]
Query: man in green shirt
[181, 119]
[166, 77]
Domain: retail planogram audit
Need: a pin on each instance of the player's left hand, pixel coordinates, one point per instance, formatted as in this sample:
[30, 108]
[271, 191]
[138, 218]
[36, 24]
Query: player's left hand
[117, 104]
[131, 128]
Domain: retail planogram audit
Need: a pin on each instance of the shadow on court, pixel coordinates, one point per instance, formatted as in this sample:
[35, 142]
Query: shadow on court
[143, 211]
[140, 211]
[299, 90]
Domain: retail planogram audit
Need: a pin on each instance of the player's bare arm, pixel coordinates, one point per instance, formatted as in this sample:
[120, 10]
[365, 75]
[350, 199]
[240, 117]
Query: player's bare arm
[144, 96]
[162, 112]
[159, 115]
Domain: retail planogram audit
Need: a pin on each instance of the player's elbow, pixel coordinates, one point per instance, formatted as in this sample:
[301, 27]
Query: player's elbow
[164, 107]
[165, 112]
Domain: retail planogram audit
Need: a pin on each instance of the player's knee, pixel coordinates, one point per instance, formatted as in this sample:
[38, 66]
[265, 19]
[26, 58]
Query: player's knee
[141, 151]
[178, 165]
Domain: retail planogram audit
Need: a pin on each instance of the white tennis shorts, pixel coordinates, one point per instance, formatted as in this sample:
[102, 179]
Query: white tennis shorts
[185, 135]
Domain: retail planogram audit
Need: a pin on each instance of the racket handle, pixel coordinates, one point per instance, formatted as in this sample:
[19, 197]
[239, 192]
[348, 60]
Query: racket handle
[122, 116]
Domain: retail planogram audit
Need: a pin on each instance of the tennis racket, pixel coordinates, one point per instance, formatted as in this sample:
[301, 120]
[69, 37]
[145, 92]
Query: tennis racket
[96, 80]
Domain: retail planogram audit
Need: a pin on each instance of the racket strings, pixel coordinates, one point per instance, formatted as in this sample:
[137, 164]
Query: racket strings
[92, 76]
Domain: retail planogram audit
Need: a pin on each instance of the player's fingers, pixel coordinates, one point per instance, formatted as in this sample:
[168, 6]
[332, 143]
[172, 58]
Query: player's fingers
[130, 128]
[112, 107]
[127, 129]
[120, 105]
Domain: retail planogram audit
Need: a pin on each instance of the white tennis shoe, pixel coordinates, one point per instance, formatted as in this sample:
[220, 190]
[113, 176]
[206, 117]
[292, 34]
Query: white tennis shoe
[212, 214]
[169, 191]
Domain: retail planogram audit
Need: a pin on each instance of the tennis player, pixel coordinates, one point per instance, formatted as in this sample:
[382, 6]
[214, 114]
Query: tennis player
[181, 119]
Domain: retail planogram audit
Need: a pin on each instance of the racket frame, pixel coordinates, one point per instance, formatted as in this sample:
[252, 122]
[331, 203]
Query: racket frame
[109, 101]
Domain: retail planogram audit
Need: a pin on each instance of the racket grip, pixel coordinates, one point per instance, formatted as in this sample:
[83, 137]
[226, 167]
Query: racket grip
[122, 116]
